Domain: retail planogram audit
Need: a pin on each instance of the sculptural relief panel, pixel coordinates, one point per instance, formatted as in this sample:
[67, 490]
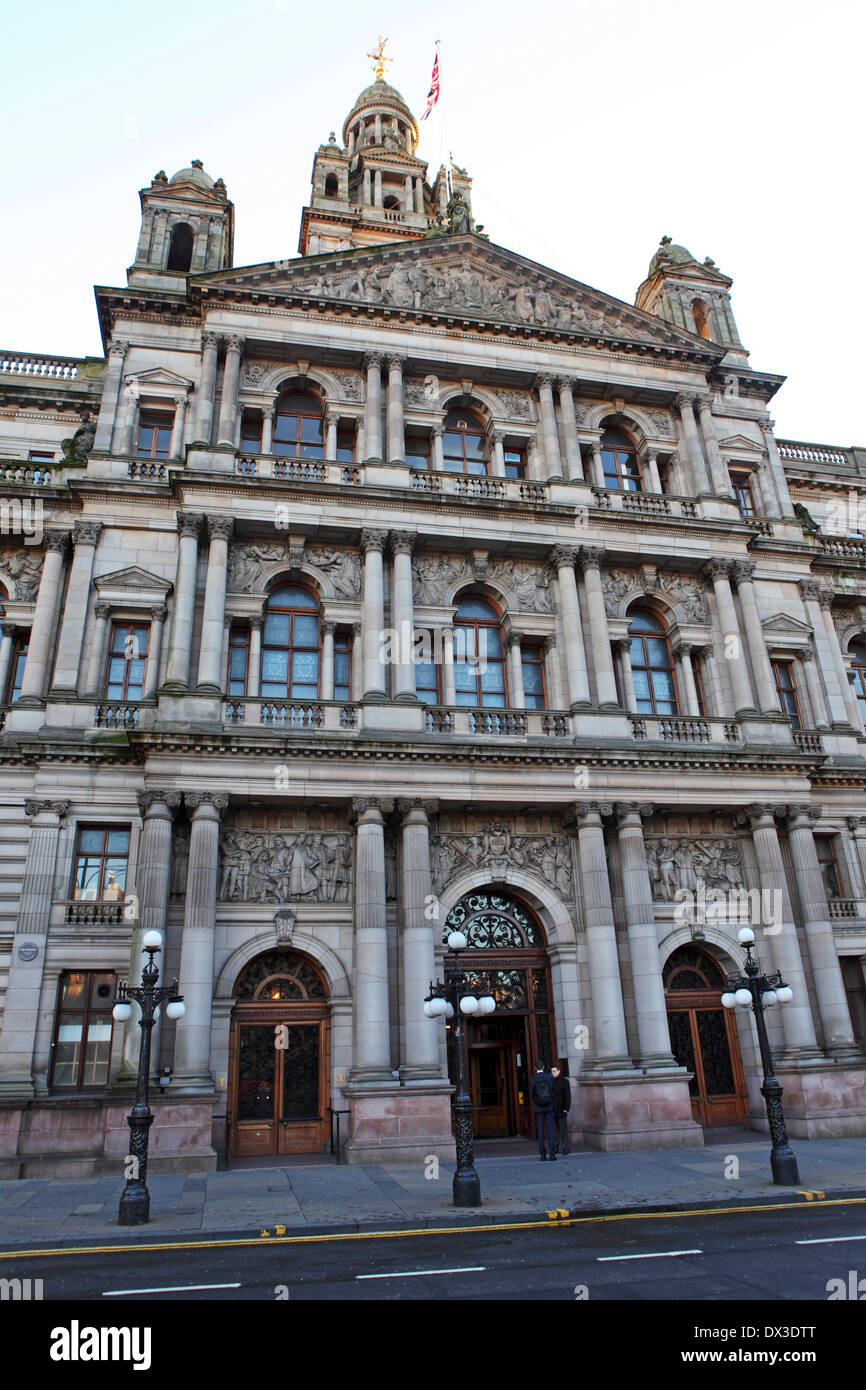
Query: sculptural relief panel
[21, 571]
[496, 848]
[272, 858]
[434, 577]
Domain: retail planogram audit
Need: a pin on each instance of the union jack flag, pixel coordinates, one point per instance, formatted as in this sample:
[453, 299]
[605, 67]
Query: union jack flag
[433, 94]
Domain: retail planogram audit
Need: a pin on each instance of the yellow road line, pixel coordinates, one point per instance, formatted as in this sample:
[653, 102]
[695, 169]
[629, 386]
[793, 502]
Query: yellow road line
[423, 1231]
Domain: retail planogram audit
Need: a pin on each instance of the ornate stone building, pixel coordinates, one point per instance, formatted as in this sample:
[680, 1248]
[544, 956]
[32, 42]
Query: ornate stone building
[403, 584]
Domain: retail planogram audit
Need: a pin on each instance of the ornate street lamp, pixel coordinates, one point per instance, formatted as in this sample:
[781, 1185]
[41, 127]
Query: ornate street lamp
[759, 992]
[135, 1198]
[463, 994]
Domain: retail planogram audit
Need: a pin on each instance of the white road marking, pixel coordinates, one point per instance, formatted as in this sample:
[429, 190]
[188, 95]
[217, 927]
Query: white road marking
[655, 1255]
[415, 1273]
[828, 1240]
[171, 1288]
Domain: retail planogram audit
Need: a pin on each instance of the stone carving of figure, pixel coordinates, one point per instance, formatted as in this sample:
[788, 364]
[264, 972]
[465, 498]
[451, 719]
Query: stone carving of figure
[652, 863]
[343, 567]
[523, 304]
[435, 576]
[303, 860]
[400, 288]
[685, 866]
[339, 868]
[458, 213]
[24, 568]
[615, 585]
[667, 869]
[686, 593]
[544, 311]
[733, 863]
[523, 580]
[78, 446]
[562, 866]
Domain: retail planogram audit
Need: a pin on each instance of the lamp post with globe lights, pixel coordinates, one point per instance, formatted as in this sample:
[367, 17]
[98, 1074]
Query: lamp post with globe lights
[464, 994]
[759, 992]
[135, 1198]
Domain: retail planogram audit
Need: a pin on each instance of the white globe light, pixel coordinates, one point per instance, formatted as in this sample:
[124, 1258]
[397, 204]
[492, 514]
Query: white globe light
[438, 1007]
[152, 941]
[729, 1000]
[743, 997]
[176, 1009]
[456, 941]
[156, 1014]
[785, 994]
[428, 1008]
[769, 998]
[746, 936]
[122, 1012]
[449, 1010]
[487, 1003]
[469, 1004]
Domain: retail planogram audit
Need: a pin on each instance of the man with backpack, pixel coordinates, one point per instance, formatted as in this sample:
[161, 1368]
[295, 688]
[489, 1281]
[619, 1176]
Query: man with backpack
[541, 1093]
[561, 1107]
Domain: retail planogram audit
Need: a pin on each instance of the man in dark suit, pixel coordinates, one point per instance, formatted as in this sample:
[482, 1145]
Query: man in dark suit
[541, 1093]
[561, 1107]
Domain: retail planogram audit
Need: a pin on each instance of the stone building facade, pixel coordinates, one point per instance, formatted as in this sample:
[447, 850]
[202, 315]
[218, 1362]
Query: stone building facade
[404, 584]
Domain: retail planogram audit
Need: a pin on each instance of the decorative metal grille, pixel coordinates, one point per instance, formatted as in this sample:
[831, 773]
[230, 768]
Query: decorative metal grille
[493, 922]
[688, 968]
[292, 970]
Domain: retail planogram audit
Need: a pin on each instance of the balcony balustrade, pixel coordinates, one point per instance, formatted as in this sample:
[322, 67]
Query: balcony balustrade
[683, 729]
[38, 365]
[808, 741]
[84, 912]
[843, 907]
[291, 715]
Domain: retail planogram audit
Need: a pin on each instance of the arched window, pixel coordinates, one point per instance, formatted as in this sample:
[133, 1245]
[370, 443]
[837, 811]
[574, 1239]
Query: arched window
[479, 662]
[857, 652]
[180, 248]
[298, 427]
[464, 443]
[651, 665]
[392, 203]
[332, 186]
[689, 968]
[290, 645]
[700, 314]
[619, 461]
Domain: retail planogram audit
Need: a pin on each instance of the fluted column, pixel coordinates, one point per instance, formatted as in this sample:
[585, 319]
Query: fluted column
[549, 430]
[721, 483]
[178, 428]
[813, 686]
[777, 469]
[573, 462]
[373, 412]
[421, 1041]
[403, 617]
[498, 453]
[154, 653]
[687, 680]
[849, 699]
[227, 428]
[96, 664]
[697, 468]
[605, 683]
[67, 667]
[23, 994]
[110, 396]
[562, 558]
[649, 991]
[213, 617]
[768, 699]
[608, 1035]
[192, 1046]
[826, 971]
[373, 614]
[396, 429]
[44, 619]
[782, 936]
[207, 387]
[622, 647]
[717, 571]
[180, 642]
[327, 680]
[826, 646]
[372, 1050]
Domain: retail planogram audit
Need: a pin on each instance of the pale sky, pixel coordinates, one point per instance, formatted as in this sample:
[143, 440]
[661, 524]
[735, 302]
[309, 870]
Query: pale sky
[590, 130]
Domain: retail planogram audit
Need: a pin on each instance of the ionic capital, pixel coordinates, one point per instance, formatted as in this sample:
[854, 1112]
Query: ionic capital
[804, 811]
[200, 801]
[148, 800]
[53, 808]
[633, 810]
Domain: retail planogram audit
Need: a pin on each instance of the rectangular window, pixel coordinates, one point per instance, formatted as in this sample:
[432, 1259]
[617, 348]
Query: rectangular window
[20, 647]
[81, 1052]
[829, 867]
[154, 434]
[39, 456]
[515, 463]
[127, 661]
[783, 671]
[346, 442]
[251, 433]
[417, 450]
[742, 490]
[101, 859]
[532, 665]
[342, 665]
[427, 674]
[239, 648]
[855, 989]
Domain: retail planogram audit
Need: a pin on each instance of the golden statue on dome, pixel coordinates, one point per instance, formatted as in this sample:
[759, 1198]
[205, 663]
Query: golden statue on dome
[379, 59]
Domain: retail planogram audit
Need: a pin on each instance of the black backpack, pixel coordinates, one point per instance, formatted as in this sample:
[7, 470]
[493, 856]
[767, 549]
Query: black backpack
[543, 1092]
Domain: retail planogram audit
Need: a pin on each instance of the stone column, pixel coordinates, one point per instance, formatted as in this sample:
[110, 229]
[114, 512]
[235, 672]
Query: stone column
[596, 465]
[396, 431]
[518, 694]
[622, 647]
[590, 561]
[717, 571]
[23, 994]
[563, 557]
[403, 617]
[178, 428]
[44, 619]
[781, 936]
[373, 614]
[419, 196]
[192, 1045]
[67, 667]
[813, 685]
[372, 1050]
[552, 672]
[549, 430]
[857, 826]
[357, 663]
[213, 617]
[373, 412]
[449, 691]
[207, 387]
[421, 1040]
[573, 463]
[649, 990]
[770, 497]
[687, 674]
[498, 453]
[110, 396]
[254, 668]
[180, 643]
[377, 186]
[130, 412]
[697, 468]
[825, 640]
[327, 679]
[826, 971]
[777, 469]
[154, 654]
[331, 425]
[849, 699]
[367, 193]
[96, 664]
[768, 699]
[438, 448]
[719, 477]
[652, 469]
[227, 428]
[267, 429]
[7, 642]
[408, 196]
[608, 1036]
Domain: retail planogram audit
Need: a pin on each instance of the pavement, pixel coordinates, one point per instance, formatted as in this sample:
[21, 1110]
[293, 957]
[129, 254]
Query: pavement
[320, 1197]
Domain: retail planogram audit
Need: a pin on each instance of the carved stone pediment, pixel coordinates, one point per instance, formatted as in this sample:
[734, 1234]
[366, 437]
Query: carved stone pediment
[781, 630]
[738, 443]
[160, 379]
[132, 585]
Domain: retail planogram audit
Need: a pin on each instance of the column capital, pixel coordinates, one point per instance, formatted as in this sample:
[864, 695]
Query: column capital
[235, 343]
[55, 539]
[256, 621]
[199, 801]
[148, 800]
[53, 808]
[437, 430]
[685, 400]
[86, 532]
[767, 427]
[807, 653]
[159, 613]
[189, 523]
[220, 527]
[497, 436]
[118, 348]
[373, 539]
[757, 812]
[629, 810]
[809, 589]
[355, 629]
[704, 401]
[743, 571]
[563, 555]
[825, 598]
[590, 557]
[402, 542]
[716, 569]
[329, 627]
[543, 382]
[103, 611]
[380, 806]
[621, 644]
[395, 361]
[373, 359]
[419, 807]
[592, 811]
[803, 811]
[549, 643]
[565, 383]
[209, 339]
[856, 824]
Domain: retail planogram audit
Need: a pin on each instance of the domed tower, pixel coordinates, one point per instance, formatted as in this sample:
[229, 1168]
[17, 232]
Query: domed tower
[373, 188]
[187, 226]
[691, 295]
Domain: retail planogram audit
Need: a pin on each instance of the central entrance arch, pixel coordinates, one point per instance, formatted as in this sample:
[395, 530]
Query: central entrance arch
[505, 941]
[279, 1056]
[704, 1037]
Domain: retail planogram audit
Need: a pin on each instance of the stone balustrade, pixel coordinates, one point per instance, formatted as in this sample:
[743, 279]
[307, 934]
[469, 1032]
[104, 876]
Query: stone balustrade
[645, 503]
[498, 723]
[27, 474]
[38, 365]
[810, 453]
[297, 470]
[151, 470]
[85, 913]
[121, 715]
[683, 729]
[295, 715]
[808, 741]
[843, 907]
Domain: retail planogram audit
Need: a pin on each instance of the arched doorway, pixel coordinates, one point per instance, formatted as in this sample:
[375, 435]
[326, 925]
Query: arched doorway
[704, 1037]
[506, 942]
[279, 1057]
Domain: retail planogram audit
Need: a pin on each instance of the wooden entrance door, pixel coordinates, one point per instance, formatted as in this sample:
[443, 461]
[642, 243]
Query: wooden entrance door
[704, 1037]
[279, 1068]
[491, 1069]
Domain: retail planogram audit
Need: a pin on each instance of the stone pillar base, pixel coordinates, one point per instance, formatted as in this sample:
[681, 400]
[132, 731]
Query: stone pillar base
[399, 1124]
[625, 1113]
[827, 1102]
